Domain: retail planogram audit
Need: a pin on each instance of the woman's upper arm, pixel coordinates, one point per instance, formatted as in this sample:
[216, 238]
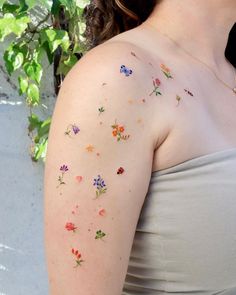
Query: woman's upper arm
[98, 168]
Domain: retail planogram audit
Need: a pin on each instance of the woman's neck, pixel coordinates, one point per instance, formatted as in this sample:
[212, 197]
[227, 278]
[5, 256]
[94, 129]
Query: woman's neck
[199, 26]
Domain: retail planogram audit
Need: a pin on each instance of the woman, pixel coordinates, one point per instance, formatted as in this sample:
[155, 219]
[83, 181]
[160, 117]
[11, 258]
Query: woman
[140, 171]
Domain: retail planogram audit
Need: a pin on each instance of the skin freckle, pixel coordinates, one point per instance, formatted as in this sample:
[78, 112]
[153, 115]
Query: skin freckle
[139, 120]
[134, 54]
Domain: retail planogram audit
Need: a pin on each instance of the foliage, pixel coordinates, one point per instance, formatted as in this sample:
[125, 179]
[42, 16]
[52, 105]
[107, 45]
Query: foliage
[58, 36]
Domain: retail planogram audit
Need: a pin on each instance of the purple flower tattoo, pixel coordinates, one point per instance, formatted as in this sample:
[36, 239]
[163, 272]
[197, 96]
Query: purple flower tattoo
[63, 169]
[72, 128]
[101, 186]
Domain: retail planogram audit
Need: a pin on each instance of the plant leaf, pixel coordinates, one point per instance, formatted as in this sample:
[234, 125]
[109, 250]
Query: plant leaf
[32, 95]
[55, 38]
[23, 84]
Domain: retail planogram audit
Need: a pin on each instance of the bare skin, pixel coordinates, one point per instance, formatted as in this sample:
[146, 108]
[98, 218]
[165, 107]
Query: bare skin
[112, 122]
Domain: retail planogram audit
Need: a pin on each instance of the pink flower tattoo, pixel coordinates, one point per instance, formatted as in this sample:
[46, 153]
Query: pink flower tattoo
[156, 83]
[102, 212]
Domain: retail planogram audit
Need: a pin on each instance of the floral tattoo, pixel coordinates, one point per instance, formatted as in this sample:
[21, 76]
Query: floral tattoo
[166, 71]
[101, 110]
[188, 92]
[90, 148]
[101, 186]
[70, 227]
[99, 234]
[117, 132]
[63, 169]
[120, 170]
[72, 128]
[178, 98]
[79, 178]
[102, 212]
[156, 83]
[78, 257]
[125, 70]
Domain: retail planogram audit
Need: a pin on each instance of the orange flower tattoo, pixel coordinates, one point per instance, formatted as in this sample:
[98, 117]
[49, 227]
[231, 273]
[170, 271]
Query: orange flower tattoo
[117, 132]
[166, 71]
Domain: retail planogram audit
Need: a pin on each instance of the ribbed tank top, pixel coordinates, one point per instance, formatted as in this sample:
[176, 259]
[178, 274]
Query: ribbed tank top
[185, 240]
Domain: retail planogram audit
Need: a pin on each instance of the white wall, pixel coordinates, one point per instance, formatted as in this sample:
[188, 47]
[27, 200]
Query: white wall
[22, 260]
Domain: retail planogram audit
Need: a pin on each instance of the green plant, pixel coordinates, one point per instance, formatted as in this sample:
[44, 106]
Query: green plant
[59, 36]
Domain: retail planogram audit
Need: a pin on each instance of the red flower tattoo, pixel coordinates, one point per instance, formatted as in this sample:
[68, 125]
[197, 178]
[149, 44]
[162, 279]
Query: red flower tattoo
[70, 226]
[77, 254]
[120, 170]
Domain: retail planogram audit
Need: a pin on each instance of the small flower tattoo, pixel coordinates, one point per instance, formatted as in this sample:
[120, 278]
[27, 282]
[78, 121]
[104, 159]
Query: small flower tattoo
[99, 234]
[166, 71]
[101, 186]
[63, 169]
[90, 148]
[101, 110]
[125, 70]
[117, 132]
[72, 128]
[78, 257]
[120, 170]
[70, 227]
[102, 212]
[79, 178]
[156, 83]
[178, 98]
[188, 92]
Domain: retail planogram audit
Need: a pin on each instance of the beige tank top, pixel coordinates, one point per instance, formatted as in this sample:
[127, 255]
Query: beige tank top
[185, 240]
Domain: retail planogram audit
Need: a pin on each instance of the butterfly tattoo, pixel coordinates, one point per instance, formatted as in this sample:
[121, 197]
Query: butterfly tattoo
[125, 70]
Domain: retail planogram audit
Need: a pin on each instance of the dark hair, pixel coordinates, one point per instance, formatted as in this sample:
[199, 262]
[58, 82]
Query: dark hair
[107, 18]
